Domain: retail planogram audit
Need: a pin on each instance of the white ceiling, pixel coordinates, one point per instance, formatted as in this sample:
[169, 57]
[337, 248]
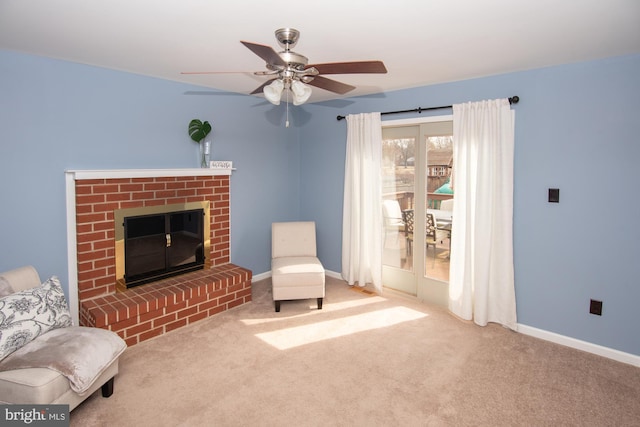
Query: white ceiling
[421, 42]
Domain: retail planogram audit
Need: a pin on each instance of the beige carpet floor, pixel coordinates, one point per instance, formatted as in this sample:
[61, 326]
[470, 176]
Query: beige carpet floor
[363, 360]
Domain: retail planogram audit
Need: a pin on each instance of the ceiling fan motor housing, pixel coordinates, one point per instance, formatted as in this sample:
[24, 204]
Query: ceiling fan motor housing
[287, 37]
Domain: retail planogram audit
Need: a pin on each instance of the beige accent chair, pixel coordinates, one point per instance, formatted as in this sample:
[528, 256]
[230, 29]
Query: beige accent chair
[296, 271]
[43, 386]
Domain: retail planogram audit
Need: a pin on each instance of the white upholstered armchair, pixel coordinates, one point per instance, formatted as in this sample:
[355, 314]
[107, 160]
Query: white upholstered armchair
[43, 358]
[296, 271]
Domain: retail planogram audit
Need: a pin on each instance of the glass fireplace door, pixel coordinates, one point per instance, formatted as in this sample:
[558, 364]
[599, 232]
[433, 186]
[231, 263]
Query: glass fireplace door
[162, 245]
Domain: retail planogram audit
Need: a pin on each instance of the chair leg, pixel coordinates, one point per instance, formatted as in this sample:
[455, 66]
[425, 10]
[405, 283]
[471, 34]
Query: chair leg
[319, 303]
[277, 306]
[107, 388]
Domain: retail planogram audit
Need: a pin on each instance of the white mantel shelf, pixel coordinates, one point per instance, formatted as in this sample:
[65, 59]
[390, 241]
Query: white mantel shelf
[145, 173]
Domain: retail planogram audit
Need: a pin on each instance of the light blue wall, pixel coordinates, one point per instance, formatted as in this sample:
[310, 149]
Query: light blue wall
[577, 129]
[56, 115]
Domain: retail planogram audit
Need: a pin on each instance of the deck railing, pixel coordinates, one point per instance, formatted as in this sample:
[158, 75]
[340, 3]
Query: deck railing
[406, 199]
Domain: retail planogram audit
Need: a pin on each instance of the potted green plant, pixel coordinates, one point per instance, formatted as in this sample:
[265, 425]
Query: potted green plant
[198, 131]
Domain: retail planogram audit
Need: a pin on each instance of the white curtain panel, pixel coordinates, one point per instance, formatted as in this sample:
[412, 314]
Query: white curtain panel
[481, 280]
[362, 214]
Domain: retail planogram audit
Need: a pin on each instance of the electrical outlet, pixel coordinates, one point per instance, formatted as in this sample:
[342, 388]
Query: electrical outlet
[595, 307]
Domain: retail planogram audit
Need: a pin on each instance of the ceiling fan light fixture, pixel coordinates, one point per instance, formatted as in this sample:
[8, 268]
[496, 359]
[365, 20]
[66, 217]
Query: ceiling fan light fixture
[301, 92]
[273, 91]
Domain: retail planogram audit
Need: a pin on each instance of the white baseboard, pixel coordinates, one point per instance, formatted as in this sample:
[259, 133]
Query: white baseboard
[607, 352]
[261, 276]
[333, 274]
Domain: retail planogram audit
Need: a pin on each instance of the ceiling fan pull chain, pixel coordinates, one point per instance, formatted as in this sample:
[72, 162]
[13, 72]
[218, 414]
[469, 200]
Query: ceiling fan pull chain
[286, 123]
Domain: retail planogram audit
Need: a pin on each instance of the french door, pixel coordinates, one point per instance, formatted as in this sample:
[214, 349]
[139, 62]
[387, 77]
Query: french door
[416, 173]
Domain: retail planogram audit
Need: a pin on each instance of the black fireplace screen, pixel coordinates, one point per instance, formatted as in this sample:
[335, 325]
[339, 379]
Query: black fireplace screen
[162, 245]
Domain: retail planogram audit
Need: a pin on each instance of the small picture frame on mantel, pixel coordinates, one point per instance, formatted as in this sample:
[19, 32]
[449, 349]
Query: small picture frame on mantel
[221, 164]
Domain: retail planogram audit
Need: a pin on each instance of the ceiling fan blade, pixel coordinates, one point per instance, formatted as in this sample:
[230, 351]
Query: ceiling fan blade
[358, 67]
[331, 85]
[216, 72]
[259, 89]
[265, 52]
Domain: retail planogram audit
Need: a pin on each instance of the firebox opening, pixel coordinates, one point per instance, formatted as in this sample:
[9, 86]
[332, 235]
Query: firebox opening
[158, 242]
[162, 245]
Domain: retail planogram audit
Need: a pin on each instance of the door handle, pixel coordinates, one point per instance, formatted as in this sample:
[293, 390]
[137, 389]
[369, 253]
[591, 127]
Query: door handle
[168, 237]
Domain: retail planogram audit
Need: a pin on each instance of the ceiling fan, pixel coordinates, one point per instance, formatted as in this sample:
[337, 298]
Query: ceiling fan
[291, 71]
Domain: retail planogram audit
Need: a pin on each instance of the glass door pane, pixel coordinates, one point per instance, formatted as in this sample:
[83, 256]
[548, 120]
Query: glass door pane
[439, 208]
[437, 143]
[398, 194]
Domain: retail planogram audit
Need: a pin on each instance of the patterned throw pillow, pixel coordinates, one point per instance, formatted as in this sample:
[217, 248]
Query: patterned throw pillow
[30, 313]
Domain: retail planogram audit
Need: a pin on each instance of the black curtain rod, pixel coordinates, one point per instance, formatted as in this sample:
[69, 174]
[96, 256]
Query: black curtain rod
[512, 100]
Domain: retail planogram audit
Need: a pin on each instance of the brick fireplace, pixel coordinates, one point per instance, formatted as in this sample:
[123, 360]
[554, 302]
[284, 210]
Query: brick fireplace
[152, 309]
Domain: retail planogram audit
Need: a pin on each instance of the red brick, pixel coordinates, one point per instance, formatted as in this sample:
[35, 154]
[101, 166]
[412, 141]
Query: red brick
[164, 320]
[100, 318]
[216, 310]
[176, 307]
[199, 316]
[195, 300]
[243, 293]
[105, 188]
[207, 305]
[83, 189]
[235, 303]
[131, 188]
[130, 204]
[195, 184]
[131, 341]
[175, 325]
[142, 195]
[101, 226]
[118, 197]
[89, 293]
[151, 315]
[138, 329]
[175, 185]
[124, 324]
[154, 186]
[151, 334]
[92, 274]
[186, 312]
[91, 217]
[89, 199]
[105, 207]
[165, 194]
[225, 299]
